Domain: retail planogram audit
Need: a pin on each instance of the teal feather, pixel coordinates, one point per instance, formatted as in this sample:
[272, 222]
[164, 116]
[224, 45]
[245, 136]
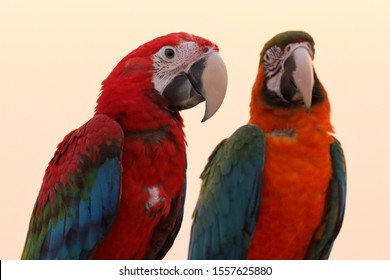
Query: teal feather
[229, 200]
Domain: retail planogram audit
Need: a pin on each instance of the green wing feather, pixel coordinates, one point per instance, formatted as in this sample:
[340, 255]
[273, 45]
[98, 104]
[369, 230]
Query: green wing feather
[79, 197]
[226, 213]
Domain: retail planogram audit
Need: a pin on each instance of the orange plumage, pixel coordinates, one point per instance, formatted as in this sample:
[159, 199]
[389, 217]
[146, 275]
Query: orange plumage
[296, 176]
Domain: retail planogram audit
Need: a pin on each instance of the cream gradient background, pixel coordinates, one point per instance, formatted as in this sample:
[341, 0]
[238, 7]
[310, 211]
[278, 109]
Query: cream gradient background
[54, 54]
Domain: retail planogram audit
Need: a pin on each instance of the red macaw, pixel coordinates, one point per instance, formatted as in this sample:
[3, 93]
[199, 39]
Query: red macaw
[115, 187]
[276, 188]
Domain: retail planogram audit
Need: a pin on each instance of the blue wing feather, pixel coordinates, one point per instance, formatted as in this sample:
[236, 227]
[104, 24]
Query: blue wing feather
[89, 226]
[81, 211]
[226, 213]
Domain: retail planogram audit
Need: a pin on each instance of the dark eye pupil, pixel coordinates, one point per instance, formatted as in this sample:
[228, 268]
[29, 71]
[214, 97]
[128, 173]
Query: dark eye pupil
[169, 53]
[205, 49]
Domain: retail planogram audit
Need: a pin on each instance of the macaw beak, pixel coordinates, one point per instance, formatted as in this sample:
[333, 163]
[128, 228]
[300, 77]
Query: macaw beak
[205, 80]
[303, 75]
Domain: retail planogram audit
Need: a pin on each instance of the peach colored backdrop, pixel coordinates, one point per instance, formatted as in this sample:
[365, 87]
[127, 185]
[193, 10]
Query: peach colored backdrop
[54, 54]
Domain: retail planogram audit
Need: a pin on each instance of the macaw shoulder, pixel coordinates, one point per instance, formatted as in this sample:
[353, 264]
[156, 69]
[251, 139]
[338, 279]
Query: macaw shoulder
[90, 145]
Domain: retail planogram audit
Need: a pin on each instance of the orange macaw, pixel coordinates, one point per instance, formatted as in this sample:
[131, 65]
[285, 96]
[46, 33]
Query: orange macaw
[276, 188]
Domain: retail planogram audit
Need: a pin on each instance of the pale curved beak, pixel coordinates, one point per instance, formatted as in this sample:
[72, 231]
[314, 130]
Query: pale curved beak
[303, 75]
[215, 81]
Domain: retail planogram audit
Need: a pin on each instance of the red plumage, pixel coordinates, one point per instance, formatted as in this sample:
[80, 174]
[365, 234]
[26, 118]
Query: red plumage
[153, 154]
[88, 136]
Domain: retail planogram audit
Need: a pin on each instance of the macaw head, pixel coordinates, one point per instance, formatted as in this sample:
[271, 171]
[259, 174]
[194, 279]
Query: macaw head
[287, 72]
[176, 71]
[287, 88]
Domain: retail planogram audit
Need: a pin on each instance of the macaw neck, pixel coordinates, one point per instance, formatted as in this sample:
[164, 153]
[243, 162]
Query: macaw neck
[280, 120]
[270, 119]
[141, 111]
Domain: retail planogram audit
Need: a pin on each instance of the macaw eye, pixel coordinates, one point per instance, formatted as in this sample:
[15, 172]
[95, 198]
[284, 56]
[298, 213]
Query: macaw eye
[205, 49]
[167, 53]
[273, 54]
[288, 48]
